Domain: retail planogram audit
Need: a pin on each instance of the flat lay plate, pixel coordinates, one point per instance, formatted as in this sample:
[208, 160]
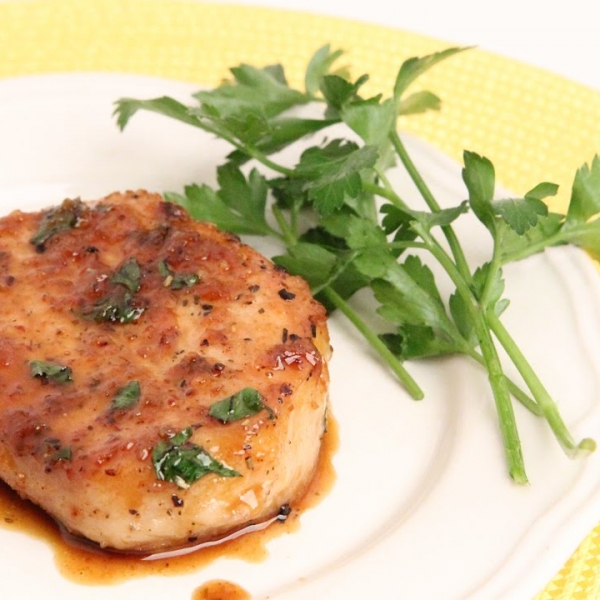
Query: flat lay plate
[422, 507]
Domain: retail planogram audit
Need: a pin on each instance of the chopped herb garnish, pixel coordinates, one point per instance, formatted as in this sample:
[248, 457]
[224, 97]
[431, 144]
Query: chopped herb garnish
[128, 275]
[51, 371]
[177, 281]
[238, 406]
[182, 462]
[54, 451]
[63, 217]
[127, 396]
[118, 305]
[64, 453]
[117, 308]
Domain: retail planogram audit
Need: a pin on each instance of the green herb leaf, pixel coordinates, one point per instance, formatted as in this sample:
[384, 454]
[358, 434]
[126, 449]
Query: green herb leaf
[183, 463]
[479, 177]
[520, 213]
[118, 307]
[333, 171]
[515, 247]
[55, 452]
[119, 303]
[587, 237]
[64, 453]
[238, 207]
[542, 190]
[371, 121]
[319, 66]
[414, 67]
[127, 396]
[270, 136]
[125, 108]
[585, 194]
[254, 91]
[64, 217]
[420, 341]
[406, 298]
[51, 371]
[312, 261]
[128, 275]
[177, 281]
[338, 91]
[242, 404]
[486, 277]
[419, 102]
[440, 218]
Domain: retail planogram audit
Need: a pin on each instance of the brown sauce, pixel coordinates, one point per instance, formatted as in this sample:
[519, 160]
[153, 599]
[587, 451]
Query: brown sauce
[220, 590]
[78, 562]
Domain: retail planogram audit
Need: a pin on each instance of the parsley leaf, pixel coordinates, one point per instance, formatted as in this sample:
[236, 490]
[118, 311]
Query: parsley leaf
[238, 206]
[51, 371]
[127, 396]
[333, 171]
[253, 91]
[177, 281]
[119, 304]
[585, 194]
[128, 275]
[180, 461]
[319, 66]
[242, 404]
[64, 217]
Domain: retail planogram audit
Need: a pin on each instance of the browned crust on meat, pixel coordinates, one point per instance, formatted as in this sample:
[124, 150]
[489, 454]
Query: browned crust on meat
[245, 323]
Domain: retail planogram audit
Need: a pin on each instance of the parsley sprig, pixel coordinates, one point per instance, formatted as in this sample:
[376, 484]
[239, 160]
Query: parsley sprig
[345, 228]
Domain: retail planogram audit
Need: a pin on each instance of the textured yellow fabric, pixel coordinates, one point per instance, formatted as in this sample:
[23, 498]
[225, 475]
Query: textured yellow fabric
[532, 124]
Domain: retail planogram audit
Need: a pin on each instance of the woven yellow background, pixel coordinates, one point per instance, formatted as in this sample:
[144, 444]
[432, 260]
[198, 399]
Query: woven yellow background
[533, 125]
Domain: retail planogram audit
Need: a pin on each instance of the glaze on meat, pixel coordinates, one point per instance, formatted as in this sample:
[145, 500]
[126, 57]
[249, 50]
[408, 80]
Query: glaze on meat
[98, 298]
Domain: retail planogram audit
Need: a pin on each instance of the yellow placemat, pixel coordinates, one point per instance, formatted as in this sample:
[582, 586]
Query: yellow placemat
[533, 125]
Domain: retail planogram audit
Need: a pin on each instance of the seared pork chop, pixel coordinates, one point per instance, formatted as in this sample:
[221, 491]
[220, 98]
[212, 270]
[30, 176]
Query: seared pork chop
[162, 383]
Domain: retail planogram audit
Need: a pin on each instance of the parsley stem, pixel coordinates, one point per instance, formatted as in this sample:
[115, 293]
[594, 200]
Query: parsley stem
[504, 407]
[397, 367]
[432, 203]
[264, 159]
[387, 193]
[545, 401]
[536, 247]
[289, 236]
[519, 395]
[497, 378]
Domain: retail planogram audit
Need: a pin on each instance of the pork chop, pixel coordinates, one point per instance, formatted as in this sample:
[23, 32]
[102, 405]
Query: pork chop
[162, 383]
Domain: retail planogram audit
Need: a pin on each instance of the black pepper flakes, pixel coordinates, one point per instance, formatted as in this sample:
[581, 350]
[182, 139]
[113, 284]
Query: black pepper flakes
[285, 389]
[177, 501]
[284, 512]
[286, 294]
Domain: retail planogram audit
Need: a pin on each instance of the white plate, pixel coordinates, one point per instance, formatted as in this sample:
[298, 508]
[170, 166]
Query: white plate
[422, 507]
